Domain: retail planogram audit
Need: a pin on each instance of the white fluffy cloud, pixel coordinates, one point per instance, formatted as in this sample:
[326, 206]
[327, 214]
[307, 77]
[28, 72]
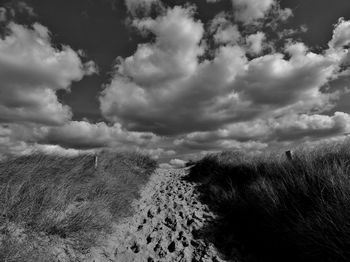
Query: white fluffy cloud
[19, 139]
[224, 32]
[216, 144]
[173, 56]
[31, 71]
[31, 117]
[177, 163]
[287, 128]
[340, 43]
[249, 10]
[164, 89]
[82, 134]
[300, 126]
[256, 43]
[226, 101]
[156, 153]
[341, 34]
[292, 84]
[193, 87]
[146, 83]
[74, 137]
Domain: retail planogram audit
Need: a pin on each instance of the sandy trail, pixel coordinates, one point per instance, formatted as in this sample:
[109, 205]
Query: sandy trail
[164, 225]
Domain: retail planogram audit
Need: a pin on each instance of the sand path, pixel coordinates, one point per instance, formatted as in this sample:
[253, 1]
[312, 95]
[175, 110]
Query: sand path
[164, 226]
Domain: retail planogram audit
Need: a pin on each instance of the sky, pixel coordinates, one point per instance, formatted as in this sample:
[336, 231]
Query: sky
[176, 79]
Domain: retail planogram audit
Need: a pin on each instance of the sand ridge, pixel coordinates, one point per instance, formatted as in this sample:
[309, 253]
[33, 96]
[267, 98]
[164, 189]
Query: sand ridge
[164, 226]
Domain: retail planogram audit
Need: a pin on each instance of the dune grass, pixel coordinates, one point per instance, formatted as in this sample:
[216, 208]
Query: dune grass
[279, 209]
[49, 199]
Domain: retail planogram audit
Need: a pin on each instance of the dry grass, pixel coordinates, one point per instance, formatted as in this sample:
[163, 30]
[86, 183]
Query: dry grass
[280, 210]
[65, 200]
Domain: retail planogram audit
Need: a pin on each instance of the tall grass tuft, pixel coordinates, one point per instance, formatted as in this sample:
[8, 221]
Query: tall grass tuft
[49, 198]
[279, 209]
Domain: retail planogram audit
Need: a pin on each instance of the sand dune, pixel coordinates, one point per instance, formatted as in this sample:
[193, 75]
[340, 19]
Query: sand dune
[164, 227]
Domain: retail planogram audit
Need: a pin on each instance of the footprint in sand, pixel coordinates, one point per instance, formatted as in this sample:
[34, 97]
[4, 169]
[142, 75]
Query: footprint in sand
[164, 226]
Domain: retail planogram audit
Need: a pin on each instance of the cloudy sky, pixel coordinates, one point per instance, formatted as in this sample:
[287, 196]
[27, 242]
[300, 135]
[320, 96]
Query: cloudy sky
[174, 78]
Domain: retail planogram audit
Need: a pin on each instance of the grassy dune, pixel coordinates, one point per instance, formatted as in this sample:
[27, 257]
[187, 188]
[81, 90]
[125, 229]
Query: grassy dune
[65, 201]
[277, 209]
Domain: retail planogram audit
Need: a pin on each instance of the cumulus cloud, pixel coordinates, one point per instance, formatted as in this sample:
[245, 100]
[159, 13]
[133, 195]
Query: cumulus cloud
[165, 166]
[284, 14]
[32, 118]
[156, 153]
[77, 136]
[224, 31]
[247, 11]
[340, 43]
[18, 139]
[31, 71]
[341, 35]
[226, 101]
[82, 134]
[177, 163]
[173, 56]
[275, 81]
[256, 43]
[311, 126]
[163, 86]
[145, 83]
[212, 141]
[286, 128]
[193, 87]
[21, 148]
[52, 150]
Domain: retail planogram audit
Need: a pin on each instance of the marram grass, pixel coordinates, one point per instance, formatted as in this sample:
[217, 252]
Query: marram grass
[51, 199]
[279, 209]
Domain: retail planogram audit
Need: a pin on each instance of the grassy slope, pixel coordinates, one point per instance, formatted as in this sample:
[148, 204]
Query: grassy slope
[52, 199]
[280, 210]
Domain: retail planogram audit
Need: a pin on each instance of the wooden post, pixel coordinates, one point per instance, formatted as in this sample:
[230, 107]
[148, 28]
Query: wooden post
[95, 161]
[289, 155]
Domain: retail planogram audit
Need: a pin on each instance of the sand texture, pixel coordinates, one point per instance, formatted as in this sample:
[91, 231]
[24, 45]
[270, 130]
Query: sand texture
[165, 225]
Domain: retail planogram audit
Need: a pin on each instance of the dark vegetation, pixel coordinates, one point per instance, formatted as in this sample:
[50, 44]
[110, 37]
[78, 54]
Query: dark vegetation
[47, 201]
[276, 209]
[190, 163]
